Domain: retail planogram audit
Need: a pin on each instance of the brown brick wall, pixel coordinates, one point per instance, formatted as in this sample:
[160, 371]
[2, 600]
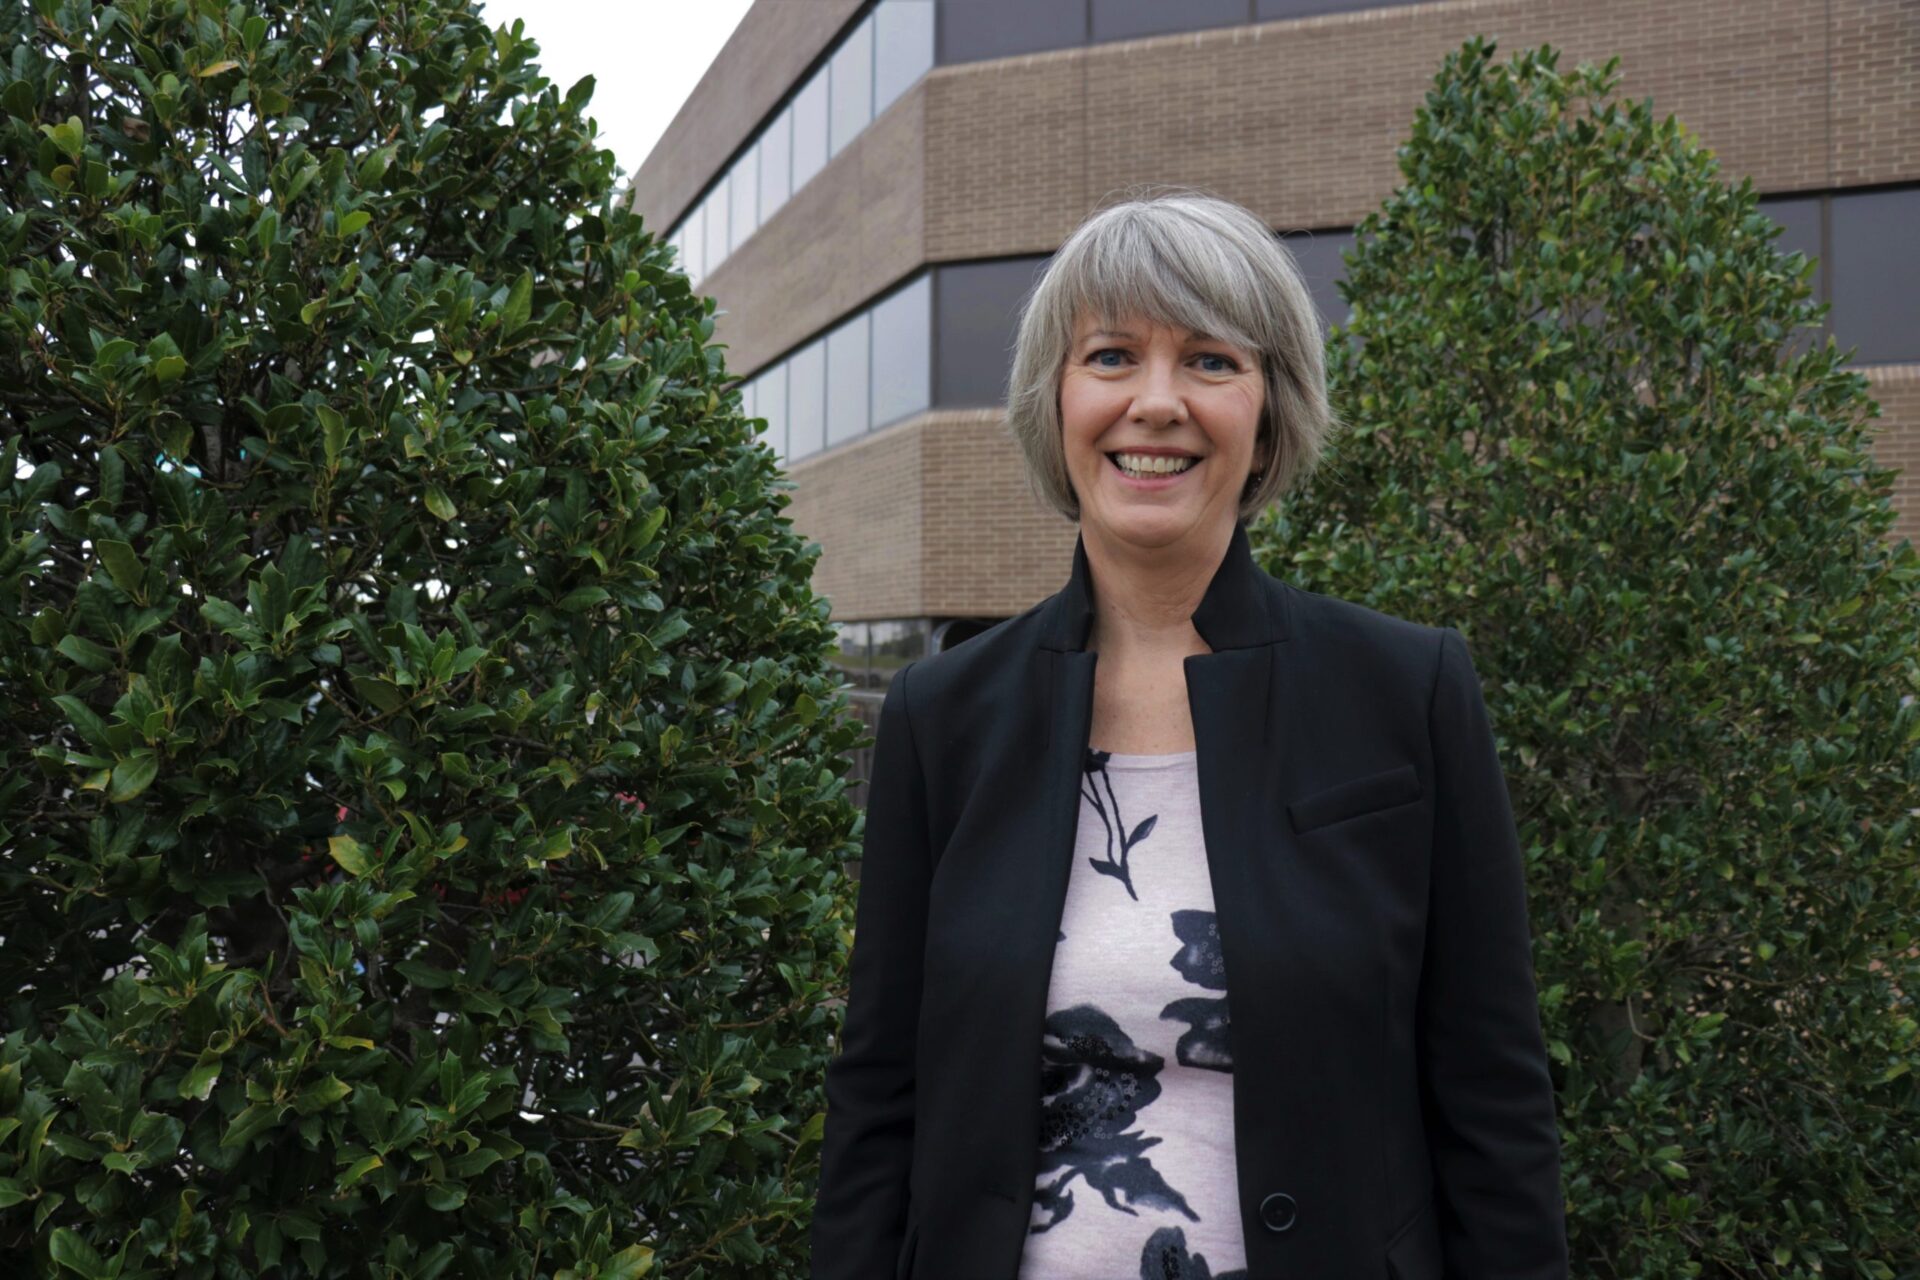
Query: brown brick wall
[933, 516]
[855, 229]
[1896, 441]
[1298, 120]
[930, 516]
[763, 58]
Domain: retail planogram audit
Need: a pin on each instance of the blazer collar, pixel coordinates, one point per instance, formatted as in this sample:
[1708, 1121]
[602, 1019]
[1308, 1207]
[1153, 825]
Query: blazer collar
[1236, 611]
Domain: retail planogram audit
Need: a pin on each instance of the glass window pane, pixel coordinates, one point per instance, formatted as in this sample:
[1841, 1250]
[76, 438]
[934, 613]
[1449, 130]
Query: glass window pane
[810, 130]
[1799, 219]
[903, 352]
[978, 310]
[807, 400]
[902, 48]
[773, 407]
[1876, 275]
[1270, 10]
[1126, 19]
[718, 245]
[745, 176]
[1317, 254]
[776, 164]
[980, 29]
[852, 86]
[695, 231]
[847, 412]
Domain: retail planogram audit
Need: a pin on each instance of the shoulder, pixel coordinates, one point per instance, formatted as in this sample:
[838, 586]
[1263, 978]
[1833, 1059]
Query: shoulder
[981, 661]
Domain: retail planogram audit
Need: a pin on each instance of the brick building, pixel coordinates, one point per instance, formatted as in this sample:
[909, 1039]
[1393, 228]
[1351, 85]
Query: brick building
[867, 189]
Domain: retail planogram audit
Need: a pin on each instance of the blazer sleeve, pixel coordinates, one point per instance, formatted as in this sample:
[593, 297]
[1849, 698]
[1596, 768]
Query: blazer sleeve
[1488, 1099]
[866, 1150]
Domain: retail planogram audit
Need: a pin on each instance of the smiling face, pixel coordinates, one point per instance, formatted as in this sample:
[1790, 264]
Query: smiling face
[1137, 390]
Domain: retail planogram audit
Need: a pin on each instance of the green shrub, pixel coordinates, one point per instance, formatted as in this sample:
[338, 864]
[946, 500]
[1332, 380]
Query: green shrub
[1592, 430]
[421, 788]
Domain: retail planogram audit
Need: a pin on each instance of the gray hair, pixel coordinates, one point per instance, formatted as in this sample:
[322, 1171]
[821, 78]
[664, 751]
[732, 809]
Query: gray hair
[1191, 261]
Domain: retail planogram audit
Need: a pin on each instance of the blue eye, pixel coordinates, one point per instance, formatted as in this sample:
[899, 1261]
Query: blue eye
[1094, 359]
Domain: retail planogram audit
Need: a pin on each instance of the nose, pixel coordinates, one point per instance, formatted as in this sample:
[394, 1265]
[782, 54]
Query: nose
[1157, 396]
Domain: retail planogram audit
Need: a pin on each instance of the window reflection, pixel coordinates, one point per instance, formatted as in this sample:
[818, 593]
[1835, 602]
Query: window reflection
[851, 87]
[902, 48]
[903, 352]
[873, 65]
[809, 131]
[847, 404]
[807, 399]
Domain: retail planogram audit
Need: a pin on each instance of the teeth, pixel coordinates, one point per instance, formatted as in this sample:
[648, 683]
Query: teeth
[1148, 464]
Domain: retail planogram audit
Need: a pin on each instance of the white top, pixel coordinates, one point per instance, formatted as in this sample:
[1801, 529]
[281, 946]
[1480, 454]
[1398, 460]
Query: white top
[1136, 1173]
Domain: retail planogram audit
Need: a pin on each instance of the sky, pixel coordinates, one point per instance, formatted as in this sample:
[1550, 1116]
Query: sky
[645, 57]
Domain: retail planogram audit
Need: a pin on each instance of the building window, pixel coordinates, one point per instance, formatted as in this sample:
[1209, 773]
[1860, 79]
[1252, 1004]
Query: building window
[976, 311]
[978, 29]
[807, 400]
[770, 396]
[848, 412]
[851, 90]
[745, 177]
[809, 131]
[903, 352]
[1129, 19]
[694, 232]
[776, 164]
[902, 48]
[1876, 274]
[718, 244]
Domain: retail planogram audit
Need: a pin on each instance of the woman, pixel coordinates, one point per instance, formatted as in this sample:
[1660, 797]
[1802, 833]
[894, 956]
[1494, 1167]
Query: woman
[1178, 787]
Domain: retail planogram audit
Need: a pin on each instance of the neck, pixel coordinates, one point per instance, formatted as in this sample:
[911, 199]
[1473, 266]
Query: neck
[1144, 597]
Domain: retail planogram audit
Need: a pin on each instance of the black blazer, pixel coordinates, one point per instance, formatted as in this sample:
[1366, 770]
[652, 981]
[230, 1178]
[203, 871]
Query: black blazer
[1393, 1115]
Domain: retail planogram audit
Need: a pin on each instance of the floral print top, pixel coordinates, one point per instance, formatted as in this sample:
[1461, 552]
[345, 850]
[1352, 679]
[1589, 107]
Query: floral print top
[1136, 1173]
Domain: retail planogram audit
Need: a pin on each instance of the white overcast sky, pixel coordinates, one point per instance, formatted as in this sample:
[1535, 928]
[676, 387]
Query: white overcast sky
[645, 56]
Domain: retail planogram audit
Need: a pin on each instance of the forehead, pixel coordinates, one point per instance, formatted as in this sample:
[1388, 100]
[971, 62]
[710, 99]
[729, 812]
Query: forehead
[1132, 329]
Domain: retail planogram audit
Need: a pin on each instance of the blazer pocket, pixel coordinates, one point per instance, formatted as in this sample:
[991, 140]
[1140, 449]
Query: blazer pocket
[1354, 797]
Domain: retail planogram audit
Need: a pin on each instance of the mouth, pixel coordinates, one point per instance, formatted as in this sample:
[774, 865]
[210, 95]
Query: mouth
[1153, 479]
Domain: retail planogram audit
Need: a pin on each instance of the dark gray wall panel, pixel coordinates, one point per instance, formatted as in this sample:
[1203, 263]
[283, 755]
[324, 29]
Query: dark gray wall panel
[971, 30]
[976, 308]
[1126, 19]
[1876, 275]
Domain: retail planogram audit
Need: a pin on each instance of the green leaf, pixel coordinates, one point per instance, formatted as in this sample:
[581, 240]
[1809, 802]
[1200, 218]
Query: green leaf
[353, 222]
[133, 775]
[630, 1263]
[439, 503]
[257, 1117]
[425, 975]
[122, 564]
[76, 1255]
[85, 653]
[350, 854]
[519, 305]
[358, 1170]
[198, 1082]
[320, 1096]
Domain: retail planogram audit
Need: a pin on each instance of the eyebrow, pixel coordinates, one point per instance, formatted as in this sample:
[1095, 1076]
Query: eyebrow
[1134, 337]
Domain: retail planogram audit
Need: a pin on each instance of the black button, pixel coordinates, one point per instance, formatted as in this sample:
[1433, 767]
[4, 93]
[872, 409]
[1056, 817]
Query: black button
[1277, 1211]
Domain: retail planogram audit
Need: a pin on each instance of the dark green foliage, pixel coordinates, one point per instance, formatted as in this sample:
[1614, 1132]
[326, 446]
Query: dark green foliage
[421, 786]
[1582, 434]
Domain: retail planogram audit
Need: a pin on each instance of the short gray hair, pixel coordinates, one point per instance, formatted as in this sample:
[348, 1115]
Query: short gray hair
[1193, 261]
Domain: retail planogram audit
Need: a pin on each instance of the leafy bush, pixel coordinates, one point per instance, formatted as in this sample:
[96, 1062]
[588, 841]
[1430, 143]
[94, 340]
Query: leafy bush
[1583, 434]
[420, 792]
